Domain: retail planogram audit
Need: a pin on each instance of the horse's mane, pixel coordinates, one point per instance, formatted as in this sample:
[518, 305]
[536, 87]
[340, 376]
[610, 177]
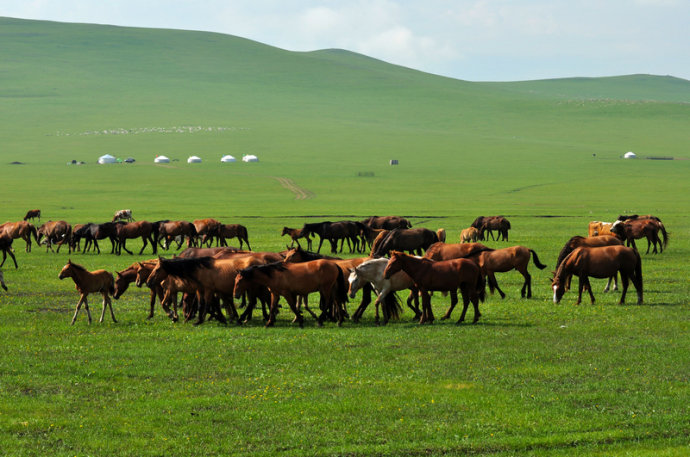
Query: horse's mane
[76, 266]
[182, 267]
[267, 269]
[568, 248]
[310, 255]
[477, 250]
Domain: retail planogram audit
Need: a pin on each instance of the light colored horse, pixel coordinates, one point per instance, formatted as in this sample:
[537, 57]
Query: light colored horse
[371, 271]
[598, 228]
[123, 215]
[469, 235]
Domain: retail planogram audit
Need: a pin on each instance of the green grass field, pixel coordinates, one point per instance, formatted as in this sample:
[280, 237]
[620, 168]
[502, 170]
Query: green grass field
[531, 378]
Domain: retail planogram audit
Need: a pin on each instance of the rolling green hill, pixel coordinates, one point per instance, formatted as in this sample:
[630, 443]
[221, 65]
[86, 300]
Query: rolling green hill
[76, 91]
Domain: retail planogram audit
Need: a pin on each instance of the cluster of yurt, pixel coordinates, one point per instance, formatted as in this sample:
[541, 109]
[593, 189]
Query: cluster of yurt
[192, 159]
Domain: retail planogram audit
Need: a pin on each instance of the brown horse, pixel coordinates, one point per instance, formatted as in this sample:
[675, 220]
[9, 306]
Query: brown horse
[33, 213]
[590, 242]
[238, 231]
[87, 282]
[21, 229]
[444, 276]
[502, 260]
[469, 235]
[296, 234]
[59, 232]
[170, 287]
[6, 248]
[129, 275]
[599, 262]
[209, 252]
[599, 228]
[141, 229]
[489, 224]
[206, 229]
[171, 230]
[291, 280]
[411, 240]
[387, 222]
[443, 251]
[633, 229]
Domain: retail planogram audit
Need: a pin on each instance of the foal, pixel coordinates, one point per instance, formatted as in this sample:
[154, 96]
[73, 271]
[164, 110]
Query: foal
[88, 282]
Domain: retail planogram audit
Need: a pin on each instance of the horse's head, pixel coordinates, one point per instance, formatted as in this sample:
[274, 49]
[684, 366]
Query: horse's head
[559, 287]
[121, 284]
[66, 271]
[151, 277]
[394, 265]
[355, 282]
[240, 285]
[286, 231]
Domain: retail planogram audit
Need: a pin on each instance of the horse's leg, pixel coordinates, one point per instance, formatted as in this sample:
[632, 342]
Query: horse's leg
[82, 299]
[291, 299]
[272, 311]
[624, 280]
[143, 238]
[494, 283]
[453, 302]
[465, 303]
[426, 304]
[152, 303]
[588, 286]
[123, 245]
[4, 257]
[527, 284]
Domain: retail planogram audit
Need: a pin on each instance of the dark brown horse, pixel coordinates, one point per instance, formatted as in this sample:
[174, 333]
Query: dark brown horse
[55, 232]
[172, 230]
[490, 223]
[229, 231]
[33, 213]
[141, 229]
[443, 276]
[21, 229]
[6, 248]
[291, 280]
[88, 282]
[170, 286]
[411, 240]
[296, 234]
[336, 231]
[387, 222]
[633, 229]
[599, 262]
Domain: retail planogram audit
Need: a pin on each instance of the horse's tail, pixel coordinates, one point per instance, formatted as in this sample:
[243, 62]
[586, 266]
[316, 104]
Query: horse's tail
[481, 287]
[245, 235]
[664, 233]
[638, 272]
[536, 261]
[111, 286]
[341, 287]
[391, 306]
[34, 232]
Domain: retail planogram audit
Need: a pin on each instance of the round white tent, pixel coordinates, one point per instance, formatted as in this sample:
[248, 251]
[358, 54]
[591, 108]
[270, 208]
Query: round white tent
[250, 158]
[161, 159]
[194, 159]
[630, 155]
[228, 159]
[107, 159]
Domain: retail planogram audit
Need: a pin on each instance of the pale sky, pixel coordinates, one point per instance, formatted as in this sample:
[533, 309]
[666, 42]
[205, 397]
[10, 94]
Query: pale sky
[476, 40]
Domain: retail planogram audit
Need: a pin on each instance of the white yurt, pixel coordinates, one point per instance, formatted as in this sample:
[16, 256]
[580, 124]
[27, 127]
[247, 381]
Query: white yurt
[250, 158]
[194, 159]
[228, 159]
[161, 159]
[107, 159]
[629, 155]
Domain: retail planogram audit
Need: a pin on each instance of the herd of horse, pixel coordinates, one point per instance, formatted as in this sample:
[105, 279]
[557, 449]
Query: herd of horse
[210, 279]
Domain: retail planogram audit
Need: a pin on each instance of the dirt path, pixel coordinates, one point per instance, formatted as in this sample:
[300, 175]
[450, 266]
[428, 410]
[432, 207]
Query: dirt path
[289, 184]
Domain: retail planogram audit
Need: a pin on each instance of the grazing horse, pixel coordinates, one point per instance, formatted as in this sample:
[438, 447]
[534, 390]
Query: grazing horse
[371, 272]
[489, 224]
[633, 229]
[296, 234]
[129, 275]
[88, 282]
[21, 229]
[334, 231]
[502, 260]
[206, 229]
[141, 229]
[238, 231]
[94, 232]
[291, 280]
[590, 242]
[387, 222]
[411, 240]
[6, 248]
[599, 262]
[599, 228]
[444, 276]
[59, 232]
[2, 281]
[172, 229]
[469, 235]
[123, 215]
[33, 213]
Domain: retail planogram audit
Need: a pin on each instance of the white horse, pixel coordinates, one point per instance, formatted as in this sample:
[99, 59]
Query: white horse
[123, 214]
[2, 281]
[371, 271]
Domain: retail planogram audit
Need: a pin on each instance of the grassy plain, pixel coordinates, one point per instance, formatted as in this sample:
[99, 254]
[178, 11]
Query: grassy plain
[532, 378]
